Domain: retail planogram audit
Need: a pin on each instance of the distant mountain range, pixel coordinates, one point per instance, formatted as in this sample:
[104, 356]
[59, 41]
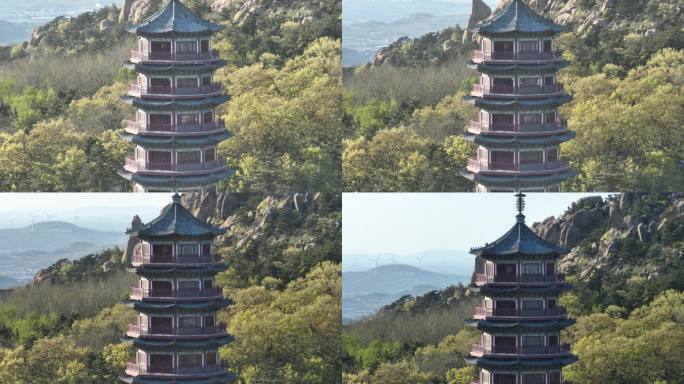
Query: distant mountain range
[27, 250]
[361, 40]
[364, 292]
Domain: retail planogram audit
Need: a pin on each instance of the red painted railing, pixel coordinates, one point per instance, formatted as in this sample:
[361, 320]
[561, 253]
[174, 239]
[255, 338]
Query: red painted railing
[135, 369]
[143, 89]
[522, 56]
[134, 165]
[486, 89]
[475, 165]
[139, 293]
[136, 126]
[140, 258]
[175, 331]
[516, 312]
[478, 127]
[479, 350]
[137, 55]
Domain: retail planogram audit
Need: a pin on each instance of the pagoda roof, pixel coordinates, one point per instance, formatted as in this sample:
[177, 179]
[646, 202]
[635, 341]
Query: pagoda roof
[521, 324]
[176, 67]
[173, 344]
[168, 103]
[518, 67]
[176, 181]
[517, 17]
[495, 141]
[520, 239]
[174, 17]
[206, 305]
[151, 269]
[522, 363]
[512, 180]
[175, 220]
[172, 141]
[518, 103]
[549, 288]
[222, 379]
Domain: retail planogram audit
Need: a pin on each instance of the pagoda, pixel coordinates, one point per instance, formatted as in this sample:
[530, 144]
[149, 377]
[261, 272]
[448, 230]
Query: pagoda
[175, 129]
[176, 335]
[520, 318]
[518, 131]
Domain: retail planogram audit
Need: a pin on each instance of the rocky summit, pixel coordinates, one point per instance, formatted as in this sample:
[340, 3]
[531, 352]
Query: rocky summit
[629, 232]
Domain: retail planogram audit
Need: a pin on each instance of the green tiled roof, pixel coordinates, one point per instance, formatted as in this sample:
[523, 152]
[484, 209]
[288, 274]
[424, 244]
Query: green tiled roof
[147, 103]
[149, 141]
[175, 220]
[519, 180]
[518, 68]
[519, 240]
[176, 67]
[221, 379]
[506, 364]
[518, 103]
[491, 141]
[172, 182]
[517, 17]
[174, 17]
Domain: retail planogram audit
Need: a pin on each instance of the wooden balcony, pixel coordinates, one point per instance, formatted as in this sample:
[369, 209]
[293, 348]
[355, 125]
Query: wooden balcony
[480, 128]
[481, 278]
[486, 90]
[480, 56]
[135, 330]
[138, 56]
[479, 350]
[138, 293]
[135, 369]
[493, 167]
[482, 313]
[138, 258]
[143, 90]
[135, 127]
[133, 165]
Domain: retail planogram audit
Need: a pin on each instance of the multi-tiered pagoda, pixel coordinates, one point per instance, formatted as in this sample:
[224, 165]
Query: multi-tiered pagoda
[518, 131]
[176, 336]
[520, 318]
[175, 129]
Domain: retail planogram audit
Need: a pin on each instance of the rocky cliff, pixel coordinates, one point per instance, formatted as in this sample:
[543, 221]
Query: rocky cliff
[639, 234]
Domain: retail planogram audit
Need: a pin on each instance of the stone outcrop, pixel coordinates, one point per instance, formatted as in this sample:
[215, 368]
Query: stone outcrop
[598, 231]
[133, 240]
[478, 12]
[133, 11]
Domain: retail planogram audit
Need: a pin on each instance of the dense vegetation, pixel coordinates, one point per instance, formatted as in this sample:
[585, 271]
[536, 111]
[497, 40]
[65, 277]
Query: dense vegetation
[283, 75]
[285, 284]
[629, 309]
[625, 77]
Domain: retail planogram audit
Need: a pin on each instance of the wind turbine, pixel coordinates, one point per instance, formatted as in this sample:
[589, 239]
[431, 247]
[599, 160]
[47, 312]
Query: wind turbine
[33, 219]
[393, 258]
[76, 218]
[420, 260]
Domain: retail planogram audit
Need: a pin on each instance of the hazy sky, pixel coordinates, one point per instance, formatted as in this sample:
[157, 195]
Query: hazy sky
[105, 211]
[412, 222]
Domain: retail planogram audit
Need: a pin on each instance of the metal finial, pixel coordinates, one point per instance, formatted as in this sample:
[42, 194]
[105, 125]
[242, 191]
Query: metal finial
[520, 205]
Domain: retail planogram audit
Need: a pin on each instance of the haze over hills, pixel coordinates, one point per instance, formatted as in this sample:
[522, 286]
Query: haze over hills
[18, 18]
[370, 25]
[28, 249]
[364, 292]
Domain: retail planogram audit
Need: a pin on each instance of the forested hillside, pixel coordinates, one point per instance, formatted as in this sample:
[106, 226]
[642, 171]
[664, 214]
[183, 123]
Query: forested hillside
[627, 271]
[283, 254]
[60, 111]
[404, 116]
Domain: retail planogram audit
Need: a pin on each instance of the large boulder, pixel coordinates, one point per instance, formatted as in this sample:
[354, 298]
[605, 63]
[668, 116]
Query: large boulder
[134, 11]
[479, 12]
[133, 240]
